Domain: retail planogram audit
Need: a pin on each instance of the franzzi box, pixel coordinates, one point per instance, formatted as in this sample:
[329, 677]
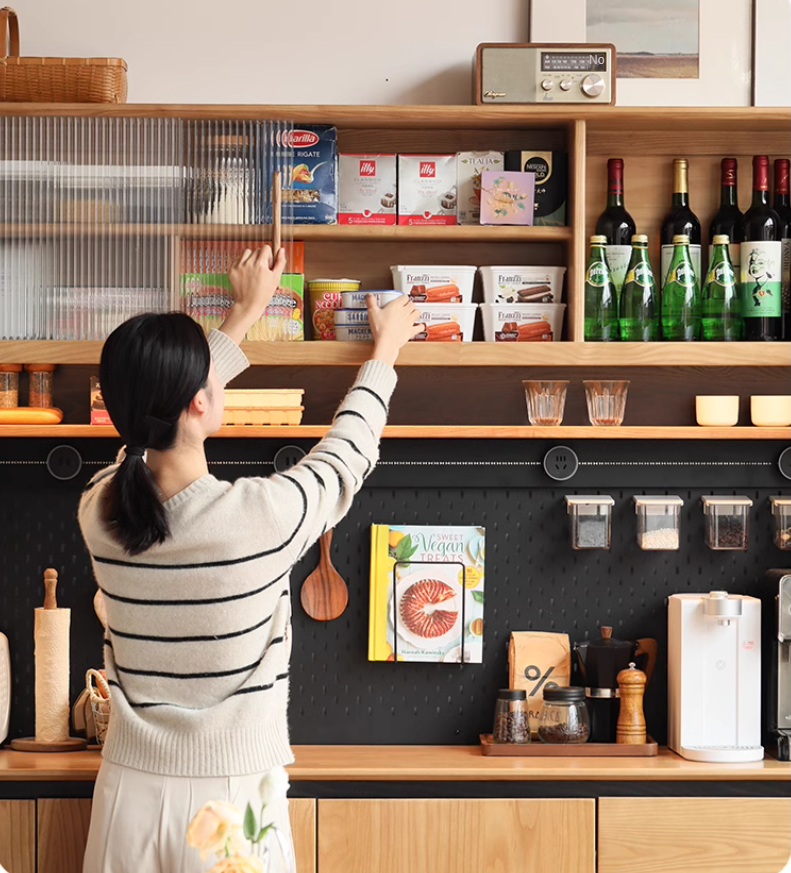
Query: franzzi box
[367, 189]
[427, 189]
[469, 166]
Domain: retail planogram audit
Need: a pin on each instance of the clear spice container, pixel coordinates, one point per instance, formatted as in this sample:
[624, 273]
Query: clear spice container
[564, 716]
[781, 513]
[510, 717]
[727, 521]
[40, 385]
[658, 521]
[591, 520]
[9, 385]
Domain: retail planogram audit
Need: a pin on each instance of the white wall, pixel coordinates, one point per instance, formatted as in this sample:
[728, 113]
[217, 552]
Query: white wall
[259, 51]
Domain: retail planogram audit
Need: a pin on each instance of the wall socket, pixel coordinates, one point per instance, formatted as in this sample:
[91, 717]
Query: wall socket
[561, 463]
[64, 462]
[784, 462]
[287, 457]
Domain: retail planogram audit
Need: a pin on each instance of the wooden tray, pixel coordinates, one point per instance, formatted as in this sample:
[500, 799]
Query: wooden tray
[537, 749]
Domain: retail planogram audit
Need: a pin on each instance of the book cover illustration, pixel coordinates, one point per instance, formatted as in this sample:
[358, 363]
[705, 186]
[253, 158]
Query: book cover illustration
[427, 594]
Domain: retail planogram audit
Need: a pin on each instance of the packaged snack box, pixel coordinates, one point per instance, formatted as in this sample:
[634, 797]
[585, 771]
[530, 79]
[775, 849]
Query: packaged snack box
[427, 189]
[549, 206]
[367, 189]
[507, 198]
[469, 166]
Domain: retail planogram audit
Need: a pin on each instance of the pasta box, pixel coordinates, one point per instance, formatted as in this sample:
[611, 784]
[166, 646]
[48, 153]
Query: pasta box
[312, 191]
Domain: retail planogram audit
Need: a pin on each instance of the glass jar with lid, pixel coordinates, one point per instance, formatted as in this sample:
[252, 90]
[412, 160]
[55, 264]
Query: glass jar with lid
[40, 385]
[591, 520]
[658, 521]
[510, 717]
[727, 521]
[564, 716]
[781, 513]
[9, 385]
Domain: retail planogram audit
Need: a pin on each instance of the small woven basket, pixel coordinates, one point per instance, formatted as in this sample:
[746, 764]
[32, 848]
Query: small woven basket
[100, 702]
[55, 80]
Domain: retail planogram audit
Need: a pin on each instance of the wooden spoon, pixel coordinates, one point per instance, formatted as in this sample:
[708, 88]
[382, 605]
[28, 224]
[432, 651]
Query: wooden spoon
[324, 594]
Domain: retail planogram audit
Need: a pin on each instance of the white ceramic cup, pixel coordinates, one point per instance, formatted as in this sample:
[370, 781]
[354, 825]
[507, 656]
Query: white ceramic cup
[771, 410]
[717, 410]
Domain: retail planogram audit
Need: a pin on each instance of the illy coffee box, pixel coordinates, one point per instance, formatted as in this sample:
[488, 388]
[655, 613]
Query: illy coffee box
[550, 168]
[367, 189]
[427, 189]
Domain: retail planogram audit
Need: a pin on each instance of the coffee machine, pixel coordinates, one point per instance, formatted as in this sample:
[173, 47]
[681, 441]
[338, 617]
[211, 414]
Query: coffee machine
[599, 662]
[779, 686]
[714, 677]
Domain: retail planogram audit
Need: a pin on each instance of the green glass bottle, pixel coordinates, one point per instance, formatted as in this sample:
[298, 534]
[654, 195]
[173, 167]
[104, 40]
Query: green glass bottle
[601, 307]
[681, 295]
[721, 301]
[639, 304]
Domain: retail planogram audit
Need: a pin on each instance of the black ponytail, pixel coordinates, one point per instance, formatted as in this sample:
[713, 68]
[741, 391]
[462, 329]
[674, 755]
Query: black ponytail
[151, 368]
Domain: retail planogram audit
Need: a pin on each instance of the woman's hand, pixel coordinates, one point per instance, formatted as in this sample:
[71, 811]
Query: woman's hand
[254, 280]
[392, 326]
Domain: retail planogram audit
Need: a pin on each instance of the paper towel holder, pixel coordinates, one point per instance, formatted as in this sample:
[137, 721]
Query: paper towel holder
[31, 744]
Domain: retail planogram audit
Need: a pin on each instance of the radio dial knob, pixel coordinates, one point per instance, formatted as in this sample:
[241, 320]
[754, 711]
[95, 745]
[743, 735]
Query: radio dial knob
[547, 84]
[592, 85]
[566, 85]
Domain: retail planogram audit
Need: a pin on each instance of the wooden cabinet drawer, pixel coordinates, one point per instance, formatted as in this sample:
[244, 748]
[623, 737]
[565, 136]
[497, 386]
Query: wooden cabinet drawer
[694, 834]
[18, 835]
[456, 836]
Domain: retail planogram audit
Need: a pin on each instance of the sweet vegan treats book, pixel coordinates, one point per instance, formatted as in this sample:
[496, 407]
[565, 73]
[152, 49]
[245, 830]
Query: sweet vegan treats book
[427, 593]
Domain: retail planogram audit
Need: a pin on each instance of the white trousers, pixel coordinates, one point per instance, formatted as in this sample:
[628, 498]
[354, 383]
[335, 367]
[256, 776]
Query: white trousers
[139, 820]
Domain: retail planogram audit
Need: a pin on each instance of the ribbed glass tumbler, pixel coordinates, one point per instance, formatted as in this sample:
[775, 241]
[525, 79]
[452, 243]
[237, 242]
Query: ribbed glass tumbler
[545, 402]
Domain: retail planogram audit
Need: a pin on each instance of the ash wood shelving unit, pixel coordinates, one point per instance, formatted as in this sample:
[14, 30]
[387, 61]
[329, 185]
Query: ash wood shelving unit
[647, 138]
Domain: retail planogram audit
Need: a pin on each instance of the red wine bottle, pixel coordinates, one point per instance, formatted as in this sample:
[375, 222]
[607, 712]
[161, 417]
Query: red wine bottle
[680, 220]
[762, 260]
[728, 218]
[617, 225]
[782, 206]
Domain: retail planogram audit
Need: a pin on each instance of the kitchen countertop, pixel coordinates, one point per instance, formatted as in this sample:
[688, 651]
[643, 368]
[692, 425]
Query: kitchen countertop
[427, 764]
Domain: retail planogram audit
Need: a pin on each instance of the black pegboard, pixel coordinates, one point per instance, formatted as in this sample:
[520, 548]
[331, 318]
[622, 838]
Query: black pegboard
[534, 579]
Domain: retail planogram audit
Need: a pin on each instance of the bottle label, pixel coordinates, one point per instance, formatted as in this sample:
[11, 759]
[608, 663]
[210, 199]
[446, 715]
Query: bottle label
[683, 274]
[722, 274]
[597, 274]
[667, 257]
[761, 279]
[618, 261]
[786, 278]
[641, 275]
[734, 250]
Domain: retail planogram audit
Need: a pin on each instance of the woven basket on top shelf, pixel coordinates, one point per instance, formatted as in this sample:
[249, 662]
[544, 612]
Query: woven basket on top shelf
[55, 80]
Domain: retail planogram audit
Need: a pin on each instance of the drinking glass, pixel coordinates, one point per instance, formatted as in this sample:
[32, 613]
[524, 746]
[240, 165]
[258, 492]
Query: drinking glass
[606, 402]
[545, 402]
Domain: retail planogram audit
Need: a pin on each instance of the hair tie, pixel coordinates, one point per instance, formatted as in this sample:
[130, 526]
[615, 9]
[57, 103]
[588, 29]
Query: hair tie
[135, 451]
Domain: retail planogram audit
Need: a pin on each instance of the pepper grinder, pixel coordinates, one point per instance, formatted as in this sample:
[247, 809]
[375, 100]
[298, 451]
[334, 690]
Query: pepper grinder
[631, 720]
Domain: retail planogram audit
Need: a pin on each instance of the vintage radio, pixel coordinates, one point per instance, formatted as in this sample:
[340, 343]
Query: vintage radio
[544, 73]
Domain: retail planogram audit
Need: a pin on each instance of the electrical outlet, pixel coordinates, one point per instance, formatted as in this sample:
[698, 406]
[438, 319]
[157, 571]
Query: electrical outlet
[784, 462]
[561, 463]
[64, 462]
[287, 457]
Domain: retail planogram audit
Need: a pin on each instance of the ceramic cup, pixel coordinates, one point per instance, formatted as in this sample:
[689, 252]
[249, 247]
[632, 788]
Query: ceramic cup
[770, 410]
[716, 410]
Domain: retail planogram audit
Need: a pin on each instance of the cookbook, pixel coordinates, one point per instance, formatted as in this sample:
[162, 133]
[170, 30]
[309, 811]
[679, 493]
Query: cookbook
[427, 594]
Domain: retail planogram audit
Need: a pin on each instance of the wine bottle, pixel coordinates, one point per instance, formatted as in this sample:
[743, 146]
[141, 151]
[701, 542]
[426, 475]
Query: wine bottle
[681, 295]
[639, 304]
[616, 224]
[680, 220]
[728, 218]
[721, 302]
[601, 308]
[782, 206]
[762, 259]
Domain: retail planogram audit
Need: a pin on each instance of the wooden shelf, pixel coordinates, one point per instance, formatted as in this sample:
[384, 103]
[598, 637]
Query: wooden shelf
[478, 354]
[422, 432]
[303, 232]
[361, 117]
[427, 763]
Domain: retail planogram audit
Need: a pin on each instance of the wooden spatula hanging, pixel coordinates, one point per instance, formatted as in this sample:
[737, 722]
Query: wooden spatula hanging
[324, 594]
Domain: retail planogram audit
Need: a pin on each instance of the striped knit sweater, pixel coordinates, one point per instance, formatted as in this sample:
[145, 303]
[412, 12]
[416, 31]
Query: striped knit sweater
[198, 641]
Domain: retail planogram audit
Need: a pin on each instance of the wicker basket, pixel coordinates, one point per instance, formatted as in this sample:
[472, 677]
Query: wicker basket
[56, 80]
[100, 703]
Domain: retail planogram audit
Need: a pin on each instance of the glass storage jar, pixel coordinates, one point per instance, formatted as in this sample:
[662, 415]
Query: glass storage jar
[40, 385]
[564, 716]
[781, 513]
[9, 385]
[591, 520]
[658, 521]
[727, 521]
[510, 717]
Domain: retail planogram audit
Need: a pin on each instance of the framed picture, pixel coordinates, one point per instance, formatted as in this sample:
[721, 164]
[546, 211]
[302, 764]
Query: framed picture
[771, 54]
[673, 53]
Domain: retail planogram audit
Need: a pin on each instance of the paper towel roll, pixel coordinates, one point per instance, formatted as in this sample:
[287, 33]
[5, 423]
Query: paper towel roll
[52, 674]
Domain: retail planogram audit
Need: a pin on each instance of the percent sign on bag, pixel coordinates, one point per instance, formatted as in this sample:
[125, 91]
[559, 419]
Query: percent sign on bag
[533, 674]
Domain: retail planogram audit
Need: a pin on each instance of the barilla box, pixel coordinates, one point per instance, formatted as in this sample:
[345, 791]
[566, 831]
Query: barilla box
[427, 189]
[549, 205]
[367, 189]
[312, 191]
[468, 181]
